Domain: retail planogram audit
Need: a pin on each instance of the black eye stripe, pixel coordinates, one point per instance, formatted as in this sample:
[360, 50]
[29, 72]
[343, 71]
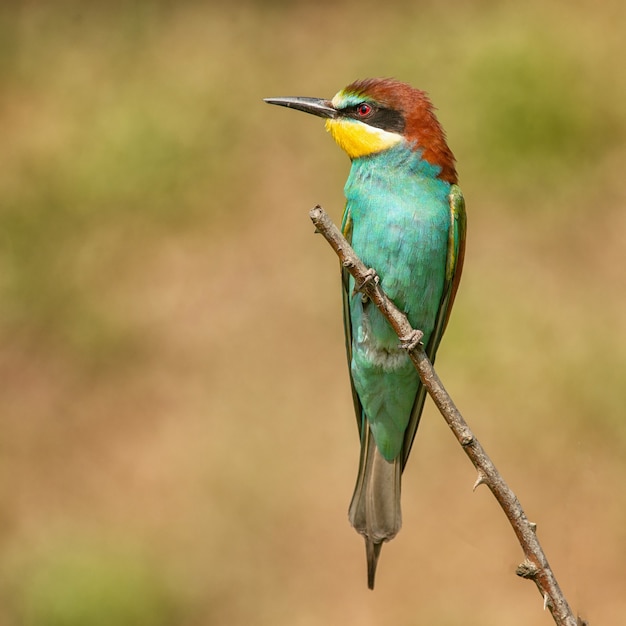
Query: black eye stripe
[380, 117]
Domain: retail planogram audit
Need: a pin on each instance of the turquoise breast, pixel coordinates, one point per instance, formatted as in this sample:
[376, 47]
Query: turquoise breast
[400, 217]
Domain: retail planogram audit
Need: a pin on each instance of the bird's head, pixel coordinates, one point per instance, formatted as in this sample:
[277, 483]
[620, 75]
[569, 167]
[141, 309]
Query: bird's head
[376, 114]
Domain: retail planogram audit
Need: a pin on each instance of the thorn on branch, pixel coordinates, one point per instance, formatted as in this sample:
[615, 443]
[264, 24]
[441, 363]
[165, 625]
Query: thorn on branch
[481, 480]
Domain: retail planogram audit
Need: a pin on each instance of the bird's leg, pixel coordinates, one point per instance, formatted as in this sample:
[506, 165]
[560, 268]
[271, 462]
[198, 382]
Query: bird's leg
[412, 340]
[369, 276]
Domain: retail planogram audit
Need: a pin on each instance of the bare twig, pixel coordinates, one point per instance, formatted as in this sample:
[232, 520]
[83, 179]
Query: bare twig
[535, 565]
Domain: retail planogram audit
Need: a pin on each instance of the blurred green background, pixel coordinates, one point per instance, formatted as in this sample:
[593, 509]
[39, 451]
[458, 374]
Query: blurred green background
[177, 439]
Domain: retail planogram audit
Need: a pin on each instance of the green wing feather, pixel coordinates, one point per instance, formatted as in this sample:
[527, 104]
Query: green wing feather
[454, 267]
[346, 229]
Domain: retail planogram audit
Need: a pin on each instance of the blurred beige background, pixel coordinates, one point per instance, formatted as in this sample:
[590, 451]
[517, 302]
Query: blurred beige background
[177, 442]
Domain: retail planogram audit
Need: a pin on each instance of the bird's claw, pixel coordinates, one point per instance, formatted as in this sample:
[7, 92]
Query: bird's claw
[369, 276]
[412, 340]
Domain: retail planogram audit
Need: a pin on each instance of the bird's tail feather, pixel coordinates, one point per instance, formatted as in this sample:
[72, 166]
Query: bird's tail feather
[375, 508]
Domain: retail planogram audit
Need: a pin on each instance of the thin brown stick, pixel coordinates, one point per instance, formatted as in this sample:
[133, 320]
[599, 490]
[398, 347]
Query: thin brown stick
[535, 565]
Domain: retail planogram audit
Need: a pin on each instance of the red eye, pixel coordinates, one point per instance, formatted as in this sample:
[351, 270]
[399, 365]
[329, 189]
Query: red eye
[363, 109]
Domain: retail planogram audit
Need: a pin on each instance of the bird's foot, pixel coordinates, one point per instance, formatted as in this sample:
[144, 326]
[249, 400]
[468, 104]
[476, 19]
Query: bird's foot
[369, 276]
[412, 340]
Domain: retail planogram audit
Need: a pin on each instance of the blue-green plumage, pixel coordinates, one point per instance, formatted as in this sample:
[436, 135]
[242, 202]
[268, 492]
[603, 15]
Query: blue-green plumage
[400, 216]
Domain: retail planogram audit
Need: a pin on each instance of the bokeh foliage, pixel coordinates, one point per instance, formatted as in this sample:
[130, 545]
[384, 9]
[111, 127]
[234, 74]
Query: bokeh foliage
[172, 359]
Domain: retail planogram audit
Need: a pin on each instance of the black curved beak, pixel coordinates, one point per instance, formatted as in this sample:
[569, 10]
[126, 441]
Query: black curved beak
[315, 106]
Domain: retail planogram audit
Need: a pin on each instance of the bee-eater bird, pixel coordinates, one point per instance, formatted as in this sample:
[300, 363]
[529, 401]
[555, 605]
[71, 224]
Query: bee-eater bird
[405, 218]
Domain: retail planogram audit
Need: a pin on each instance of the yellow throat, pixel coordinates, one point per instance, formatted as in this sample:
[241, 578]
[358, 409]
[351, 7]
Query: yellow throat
[359, 139]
